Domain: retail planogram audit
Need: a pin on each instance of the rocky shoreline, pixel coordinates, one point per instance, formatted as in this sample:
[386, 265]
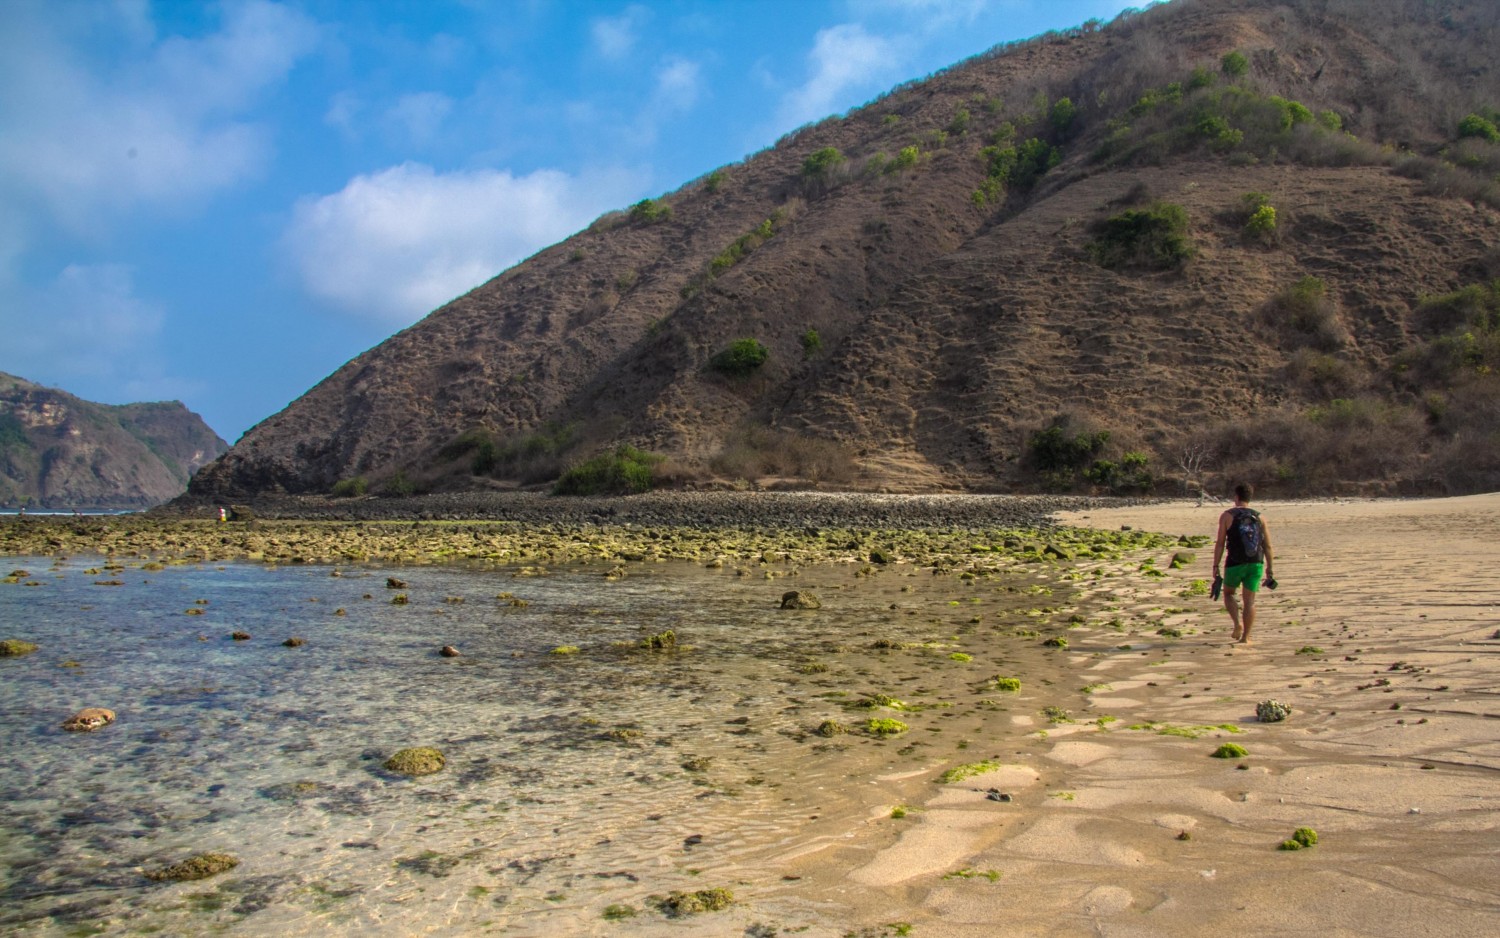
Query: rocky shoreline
[696, 510]
[517, 528]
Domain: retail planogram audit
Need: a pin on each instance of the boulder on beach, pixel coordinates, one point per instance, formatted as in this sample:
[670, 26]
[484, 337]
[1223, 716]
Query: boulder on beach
[88, 720]
[294, 642]
[799, 599]
[448, 651]
[419, 760]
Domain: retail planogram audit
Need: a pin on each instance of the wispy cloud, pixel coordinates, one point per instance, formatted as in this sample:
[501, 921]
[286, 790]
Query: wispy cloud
[615, 36]
[393, 245]
[160, 127]
[843, 57]
[678, 84]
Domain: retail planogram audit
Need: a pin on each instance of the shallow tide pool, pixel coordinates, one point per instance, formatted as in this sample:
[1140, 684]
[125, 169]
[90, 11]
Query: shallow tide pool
[574, 782]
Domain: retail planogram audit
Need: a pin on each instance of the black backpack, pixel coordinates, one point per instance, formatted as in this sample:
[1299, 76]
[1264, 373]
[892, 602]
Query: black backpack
[1247, 543]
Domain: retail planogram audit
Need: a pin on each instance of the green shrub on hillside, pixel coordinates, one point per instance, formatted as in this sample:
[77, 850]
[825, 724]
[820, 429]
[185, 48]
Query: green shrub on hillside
[741, 358]
[1464, 327]
[1261, 226]
[960, 123]
[1152, 238]
[625, 471]
[823, 163]
[1234, 64]
[906, 158]
[650, 211]
[1062, 115]
[1014, 167]
[1477, 125]
[812, 343]
[1059, 452]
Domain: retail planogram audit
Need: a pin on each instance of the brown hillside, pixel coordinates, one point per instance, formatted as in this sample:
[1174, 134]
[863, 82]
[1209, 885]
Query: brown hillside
[961, 308]
[58, 451]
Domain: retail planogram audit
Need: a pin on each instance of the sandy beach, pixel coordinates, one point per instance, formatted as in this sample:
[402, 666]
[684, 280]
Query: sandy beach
[1381, 637]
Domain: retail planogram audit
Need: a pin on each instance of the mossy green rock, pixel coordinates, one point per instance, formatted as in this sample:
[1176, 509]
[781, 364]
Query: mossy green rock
[15, 648]
[420, 760]
[1230, 751]
[800, 599]
[704, 900]
[201, 866]
[1183, 558]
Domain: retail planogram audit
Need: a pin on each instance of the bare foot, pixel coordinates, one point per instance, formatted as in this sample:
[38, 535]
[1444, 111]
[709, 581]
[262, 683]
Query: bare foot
[1235, 635]
[1244, 641]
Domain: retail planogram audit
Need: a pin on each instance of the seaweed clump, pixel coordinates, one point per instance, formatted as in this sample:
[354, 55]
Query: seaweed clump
[419, 760]
[661, 641]
[1272, 711]
[679, 904]
[201, 866]
[1302, 838]
[1230, 751]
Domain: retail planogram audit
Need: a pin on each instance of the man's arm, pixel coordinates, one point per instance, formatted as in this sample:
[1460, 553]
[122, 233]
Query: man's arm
[1219, 543]
[1265, 536]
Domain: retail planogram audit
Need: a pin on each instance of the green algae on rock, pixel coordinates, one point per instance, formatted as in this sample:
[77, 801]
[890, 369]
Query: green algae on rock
[201, 866]
[679, 904]
[968, 770]
[661, 641]
[831, 728]
[1302, 838]
[885, 727]
[800, 599]
[1230, 751]
[15, 648]
[1272, 711]
[419, 760]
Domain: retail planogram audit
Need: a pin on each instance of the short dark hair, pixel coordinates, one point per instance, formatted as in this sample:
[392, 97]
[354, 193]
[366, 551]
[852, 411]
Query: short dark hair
[1243, 491]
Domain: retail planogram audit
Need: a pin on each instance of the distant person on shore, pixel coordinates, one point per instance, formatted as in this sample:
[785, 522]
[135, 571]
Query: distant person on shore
[1243, 532]
[223, 516]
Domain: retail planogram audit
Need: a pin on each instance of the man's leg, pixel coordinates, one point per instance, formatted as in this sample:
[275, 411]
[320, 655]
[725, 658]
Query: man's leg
[1233, 608]
[1249, 617]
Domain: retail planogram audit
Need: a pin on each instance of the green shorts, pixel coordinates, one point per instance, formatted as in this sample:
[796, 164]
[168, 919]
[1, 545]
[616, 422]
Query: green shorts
[1247, 575]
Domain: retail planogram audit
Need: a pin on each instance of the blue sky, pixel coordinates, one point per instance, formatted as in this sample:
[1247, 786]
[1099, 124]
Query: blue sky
[221, 203]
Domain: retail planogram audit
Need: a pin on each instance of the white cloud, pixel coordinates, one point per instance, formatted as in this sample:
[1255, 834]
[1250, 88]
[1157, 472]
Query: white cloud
[843, 57]
[395, 244]
[159, 127]
[615, 36]
[678, 84]
[89, 333]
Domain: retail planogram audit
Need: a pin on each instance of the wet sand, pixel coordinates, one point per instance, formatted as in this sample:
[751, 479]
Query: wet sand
[1381, 638]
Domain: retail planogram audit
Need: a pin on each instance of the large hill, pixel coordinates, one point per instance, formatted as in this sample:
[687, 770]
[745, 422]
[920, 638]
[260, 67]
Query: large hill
[1249, 237]
[59, 451]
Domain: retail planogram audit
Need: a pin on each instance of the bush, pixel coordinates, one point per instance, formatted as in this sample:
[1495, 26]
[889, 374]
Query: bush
[1062, 115]
[1306, 314]
[650, 211]
[625, 471]
[1153, 238]
[351, 488]
[742, 357]
[1234, 64]
[906, 158]
[1261, 225]
[823, 163]
[1477, 125]
[812, 343]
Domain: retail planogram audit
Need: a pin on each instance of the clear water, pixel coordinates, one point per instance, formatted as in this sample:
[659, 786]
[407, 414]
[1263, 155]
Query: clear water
[573, 781]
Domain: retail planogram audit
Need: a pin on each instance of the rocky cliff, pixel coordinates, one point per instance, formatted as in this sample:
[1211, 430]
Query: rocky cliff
[58, 451]
[1250, 237]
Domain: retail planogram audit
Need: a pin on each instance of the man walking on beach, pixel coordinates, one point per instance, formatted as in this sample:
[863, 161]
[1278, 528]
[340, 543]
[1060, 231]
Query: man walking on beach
[1243, 532]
